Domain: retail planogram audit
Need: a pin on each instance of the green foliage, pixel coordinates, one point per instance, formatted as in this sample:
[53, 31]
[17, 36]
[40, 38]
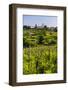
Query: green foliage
[26, 42]
[40, 60]
[40, 51]
[40, 39]
[52, 41]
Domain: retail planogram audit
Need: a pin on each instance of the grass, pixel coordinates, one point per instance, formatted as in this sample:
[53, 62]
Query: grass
[42, 59]
[40, 52]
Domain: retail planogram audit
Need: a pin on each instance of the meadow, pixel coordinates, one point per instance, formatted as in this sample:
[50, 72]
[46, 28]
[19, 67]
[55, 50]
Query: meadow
[40, 51]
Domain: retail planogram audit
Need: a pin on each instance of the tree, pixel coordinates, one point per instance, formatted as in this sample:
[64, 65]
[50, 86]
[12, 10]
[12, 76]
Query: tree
[40, 39]
[55, 29]
[26, 27]
[45, 26]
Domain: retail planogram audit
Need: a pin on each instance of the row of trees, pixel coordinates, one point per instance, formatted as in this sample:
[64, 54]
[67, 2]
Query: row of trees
[26, 27]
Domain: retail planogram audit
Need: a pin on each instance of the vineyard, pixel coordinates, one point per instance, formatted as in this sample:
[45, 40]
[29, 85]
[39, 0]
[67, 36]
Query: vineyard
[40, 51]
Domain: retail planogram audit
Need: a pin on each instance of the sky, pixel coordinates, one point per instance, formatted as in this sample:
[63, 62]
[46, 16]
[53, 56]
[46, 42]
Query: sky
[31, 20]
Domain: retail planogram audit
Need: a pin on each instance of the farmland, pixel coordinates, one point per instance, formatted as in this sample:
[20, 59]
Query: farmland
[40, 51]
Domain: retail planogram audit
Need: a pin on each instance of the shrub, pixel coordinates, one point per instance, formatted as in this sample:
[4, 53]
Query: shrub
[40, 39]
[52, 41]
[26, 42]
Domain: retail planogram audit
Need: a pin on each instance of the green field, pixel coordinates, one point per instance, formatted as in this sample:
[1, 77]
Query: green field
[40, 51]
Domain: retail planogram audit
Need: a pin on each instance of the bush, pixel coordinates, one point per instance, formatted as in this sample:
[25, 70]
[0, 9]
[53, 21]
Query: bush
[52, 41]
[40, 39]
[25, 42]
[32, 43]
